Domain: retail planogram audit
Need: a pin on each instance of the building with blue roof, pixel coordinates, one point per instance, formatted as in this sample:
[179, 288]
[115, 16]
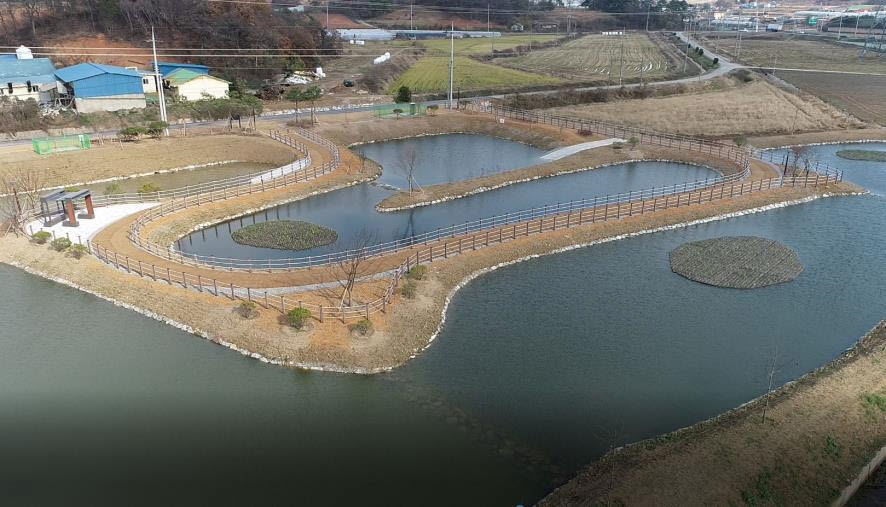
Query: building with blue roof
[24, 77]
[167, 68]
[98, 87]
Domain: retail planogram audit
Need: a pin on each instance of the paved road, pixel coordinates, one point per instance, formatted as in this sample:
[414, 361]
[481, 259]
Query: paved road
[725, 66]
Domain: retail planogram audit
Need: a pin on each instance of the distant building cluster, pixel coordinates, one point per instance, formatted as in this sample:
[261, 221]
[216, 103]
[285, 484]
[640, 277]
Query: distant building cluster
[91, 87]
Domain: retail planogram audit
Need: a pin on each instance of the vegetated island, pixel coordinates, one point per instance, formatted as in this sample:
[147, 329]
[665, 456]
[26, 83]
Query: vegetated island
[868, 155]
[285, 235]
[737, 262]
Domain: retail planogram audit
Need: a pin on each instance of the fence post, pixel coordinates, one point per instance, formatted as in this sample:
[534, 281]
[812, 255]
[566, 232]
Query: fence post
[321, 312]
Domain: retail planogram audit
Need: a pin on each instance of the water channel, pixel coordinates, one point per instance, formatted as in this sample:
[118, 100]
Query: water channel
[541, 367]
[352, 210]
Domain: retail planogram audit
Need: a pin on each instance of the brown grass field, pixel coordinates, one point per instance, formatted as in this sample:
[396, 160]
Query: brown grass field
[754, 109]
[862, 96]
[789, 51]
[597, 57]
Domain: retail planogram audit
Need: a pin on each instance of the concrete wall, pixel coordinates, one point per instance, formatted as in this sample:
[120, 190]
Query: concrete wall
[113, 103]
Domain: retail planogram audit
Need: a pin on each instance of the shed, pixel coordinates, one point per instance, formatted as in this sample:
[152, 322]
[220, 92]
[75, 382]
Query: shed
[167, 68]
[27, 78]
[97, 87]
[189, 85]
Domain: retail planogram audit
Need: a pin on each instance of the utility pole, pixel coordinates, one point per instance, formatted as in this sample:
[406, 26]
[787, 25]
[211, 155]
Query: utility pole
[327, 16]
[686, 55]
[648, 10]
[840, 29]
[856, 25]
[159, 81]
[451, 61]
[411, 26]
[621, 65]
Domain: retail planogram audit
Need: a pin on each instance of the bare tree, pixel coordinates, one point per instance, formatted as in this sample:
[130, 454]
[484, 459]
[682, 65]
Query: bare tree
[353, 264]
[771, 369]
[21, 194]
[407, 163]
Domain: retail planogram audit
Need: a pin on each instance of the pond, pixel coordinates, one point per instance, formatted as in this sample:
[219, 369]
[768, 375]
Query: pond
[540, 368]
[871, 175]
[351, 210]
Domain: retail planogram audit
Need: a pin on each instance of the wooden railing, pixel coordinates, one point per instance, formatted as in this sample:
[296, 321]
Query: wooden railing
[568, 216]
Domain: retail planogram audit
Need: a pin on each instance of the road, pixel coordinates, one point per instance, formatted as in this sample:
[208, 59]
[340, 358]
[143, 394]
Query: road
[725, 67]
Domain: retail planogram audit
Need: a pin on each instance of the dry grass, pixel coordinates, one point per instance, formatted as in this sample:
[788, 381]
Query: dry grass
[598, 57]
[860, 95]
[819, 433]
[755, 109]
[431, 74]
[793, 52]
[114, 160]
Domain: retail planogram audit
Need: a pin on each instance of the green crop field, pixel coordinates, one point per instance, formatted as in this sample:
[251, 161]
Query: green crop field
[485, 45]
[431, 74]
[596, 57]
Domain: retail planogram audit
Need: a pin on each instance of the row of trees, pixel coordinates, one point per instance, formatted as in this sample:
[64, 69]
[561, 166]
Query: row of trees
[660, 14]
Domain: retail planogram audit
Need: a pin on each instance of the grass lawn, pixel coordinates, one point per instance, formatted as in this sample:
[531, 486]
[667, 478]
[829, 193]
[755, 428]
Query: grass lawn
[485, 45]
[431, 74]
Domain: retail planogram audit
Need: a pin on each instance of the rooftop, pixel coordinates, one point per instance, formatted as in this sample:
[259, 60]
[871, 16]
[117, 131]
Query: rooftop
[182, 76]
[87, 70]
[25, 69]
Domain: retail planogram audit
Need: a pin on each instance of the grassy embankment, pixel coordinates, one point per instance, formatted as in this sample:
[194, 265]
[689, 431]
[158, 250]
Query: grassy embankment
[819, 432]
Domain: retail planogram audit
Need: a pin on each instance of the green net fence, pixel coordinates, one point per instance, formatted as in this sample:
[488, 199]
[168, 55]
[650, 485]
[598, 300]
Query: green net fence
[46, 145]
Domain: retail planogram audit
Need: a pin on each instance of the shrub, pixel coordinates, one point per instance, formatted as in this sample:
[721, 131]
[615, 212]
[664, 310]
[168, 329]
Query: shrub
[417, 273]
[617, 146]
[408, 289]
[60, 244]
[132, 133]
[432, 109]
[41, 237]
[155, 128]
[113, 188]
[716, 61]
[740, 141]
[78, 251]
[298, 317]
[398, 111]
[363, 327]
[633, 142]
[404, 94]
[148, 188]
[248, 309]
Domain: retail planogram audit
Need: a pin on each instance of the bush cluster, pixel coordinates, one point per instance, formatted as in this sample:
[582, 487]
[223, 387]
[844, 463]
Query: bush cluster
[60, 244]
[408, 289]
[148, 188]
[41, 237]
[363, 327]
[248, 309]
[298, 317]
[418, 272]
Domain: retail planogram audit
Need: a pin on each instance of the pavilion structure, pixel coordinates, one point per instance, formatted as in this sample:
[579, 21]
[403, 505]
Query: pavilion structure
[60, 205]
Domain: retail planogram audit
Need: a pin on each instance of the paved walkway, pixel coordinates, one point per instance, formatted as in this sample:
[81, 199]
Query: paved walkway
[575, 148]
[89, 227]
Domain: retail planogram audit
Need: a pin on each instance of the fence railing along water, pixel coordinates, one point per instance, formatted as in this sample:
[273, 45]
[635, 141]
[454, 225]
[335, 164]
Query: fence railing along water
[470, 236]
[568, 216]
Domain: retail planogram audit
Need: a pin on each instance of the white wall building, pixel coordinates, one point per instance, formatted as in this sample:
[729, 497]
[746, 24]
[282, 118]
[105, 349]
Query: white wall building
[189, 85]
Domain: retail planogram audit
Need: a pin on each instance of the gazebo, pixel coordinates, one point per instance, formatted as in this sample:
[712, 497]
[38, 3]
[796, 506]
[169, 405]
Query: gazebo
[59, 204]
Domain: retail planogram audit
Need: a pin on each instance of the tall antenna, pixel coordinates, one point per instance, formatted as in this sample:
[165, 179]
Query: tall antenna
[158, 80]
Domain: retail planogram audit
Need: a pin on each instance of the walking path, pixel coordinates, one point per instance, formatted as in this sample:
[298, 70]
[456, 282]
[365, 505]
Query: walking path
[575, 148]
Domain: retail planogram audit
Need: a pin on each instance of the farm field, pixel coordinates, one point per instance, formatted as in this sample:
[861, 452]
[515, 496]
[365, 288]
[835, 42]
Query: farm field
[754, 108]
[431, 74]
[790, 52]
[597, 57]
[485, 45]
[861, 96]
